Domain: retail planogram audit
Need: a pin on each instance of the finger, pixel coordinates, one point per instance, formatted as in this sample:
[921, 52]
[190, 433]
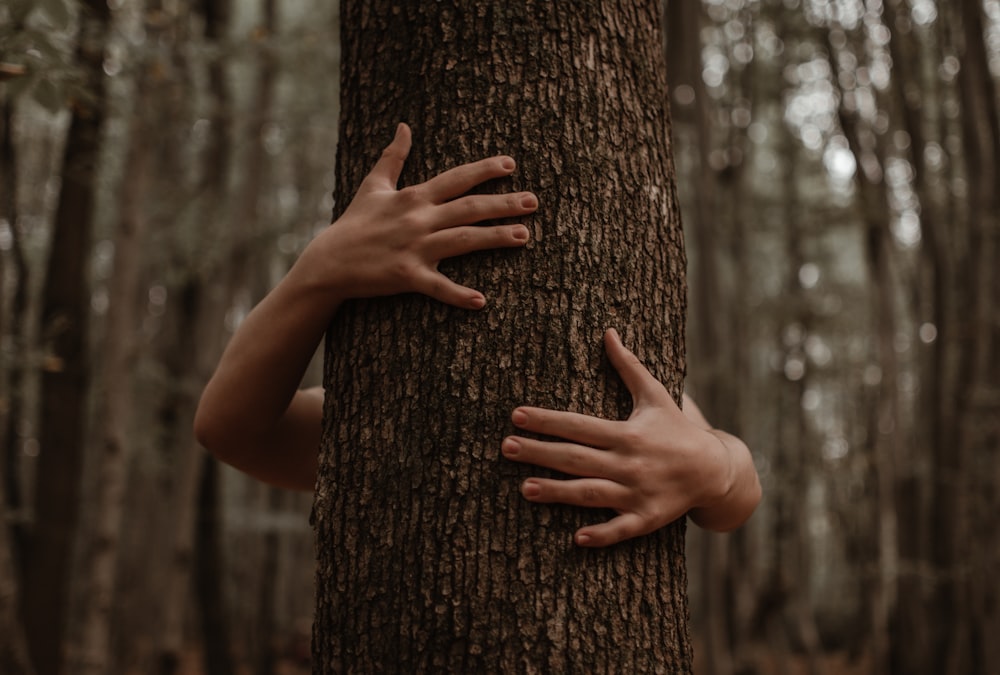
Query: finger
[461, 240]
[618, 529]
[571, 458]
[443, 289]
[475, 208]
[461, 179]
[639, 381]
[390, 164]
[588, 492]
[592, 431]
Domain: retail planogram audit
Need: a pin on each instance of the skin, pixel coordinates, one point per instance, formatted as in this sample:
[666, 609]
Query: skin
[652, 468]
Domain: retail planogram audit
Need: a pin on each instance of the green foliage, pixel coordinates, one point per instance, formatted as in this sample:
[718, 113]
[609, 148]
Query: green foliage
[37, 36]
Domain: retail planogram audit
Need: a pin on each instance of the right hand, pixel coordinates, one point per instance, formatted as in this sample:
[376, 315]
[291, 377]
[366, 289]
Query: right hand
[391, 240]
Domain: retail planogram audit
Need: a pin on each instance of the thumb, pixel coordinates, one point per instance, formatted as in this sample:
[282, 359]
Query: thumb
[390, 164]
[641, 384]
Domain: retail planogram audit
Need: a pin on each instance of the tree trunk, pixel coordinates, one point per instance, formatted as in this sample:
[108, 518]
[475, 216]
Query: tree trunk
[713, 210]
[201, 300]
[13, 648]
[13, 285]
[429, 559]
[65, 377]
[212, 611]
[267, 626]
[114, 404]
[886, 437]
[968, 465]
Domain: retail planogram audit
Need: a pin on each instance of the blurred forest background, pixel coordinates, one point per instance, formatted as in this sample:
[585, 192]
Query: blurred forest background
[164, 161]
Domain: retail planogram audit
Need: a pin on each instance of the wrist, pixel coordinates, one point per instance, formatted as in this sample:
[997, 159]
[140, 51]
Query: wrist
[737, 491]
[720, 485]
[318, 274]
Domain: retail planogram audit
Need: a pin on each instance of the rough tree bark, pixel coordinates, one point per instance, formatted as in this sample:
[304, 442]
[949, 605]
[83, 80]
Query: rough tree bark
[429, 559]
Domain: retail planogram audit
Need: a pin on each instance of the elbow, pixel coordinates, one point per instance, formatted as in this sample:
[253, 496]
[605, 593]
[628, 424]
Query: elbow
[750, 502]
[734, 513]
[202, 428]
[714, 524]
[208, 432]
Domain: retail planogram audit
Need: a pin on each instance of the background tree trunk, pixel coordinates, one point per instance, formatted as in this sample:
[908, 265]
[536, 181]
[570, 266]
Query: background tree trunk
[13, 647]
[47, 560]
[13, 283]
[212, 611]
[965, 486]
[201, 301]
[429, 560]
[93, 656]
[713, 328]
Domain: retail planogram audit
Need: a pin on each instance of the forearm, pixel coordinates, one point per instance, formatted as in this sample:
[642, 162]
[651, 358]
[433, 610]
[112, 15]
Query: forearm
[388, 241]
[741, 492]
[251, 414]
[742, 495]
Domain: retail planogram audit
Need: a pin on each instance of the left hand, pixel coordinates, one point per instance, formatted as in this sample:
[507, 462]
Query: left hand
[651, 469]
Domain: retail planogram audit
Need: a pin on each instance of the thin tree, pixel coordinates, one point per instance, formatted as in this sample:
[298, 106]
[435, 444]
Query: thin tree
[429, 560]
[13, 646]
[65, 376]
[713, 213]
[966, 453]
[201, 299]
[114, 399]
[13, 285]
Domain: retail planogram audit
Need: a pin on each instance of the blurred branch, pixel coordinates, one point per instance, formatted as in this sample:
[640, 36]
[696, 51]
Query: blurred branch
[9, 71]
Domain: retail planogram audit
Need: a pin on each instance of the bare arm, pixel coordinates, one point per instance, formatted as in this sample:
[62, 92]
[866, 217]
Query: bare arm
[743, 494]
[388, 241]
[652, 468]
[253, 416]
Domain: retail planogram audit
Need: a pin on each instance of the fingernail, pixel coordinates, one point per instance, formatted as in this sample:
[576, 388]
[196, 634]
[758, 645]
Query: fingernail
[583, 539]
[521, 233]
[511, 447]
[508, 164]
[529, 201]
[519, 417]
[531, 489]
[477, 302]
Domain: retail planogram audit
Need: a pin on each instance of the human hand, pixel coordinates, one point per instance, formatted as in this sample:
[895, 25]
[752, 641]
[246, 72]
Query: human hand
[391, 240]
[651, 469]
